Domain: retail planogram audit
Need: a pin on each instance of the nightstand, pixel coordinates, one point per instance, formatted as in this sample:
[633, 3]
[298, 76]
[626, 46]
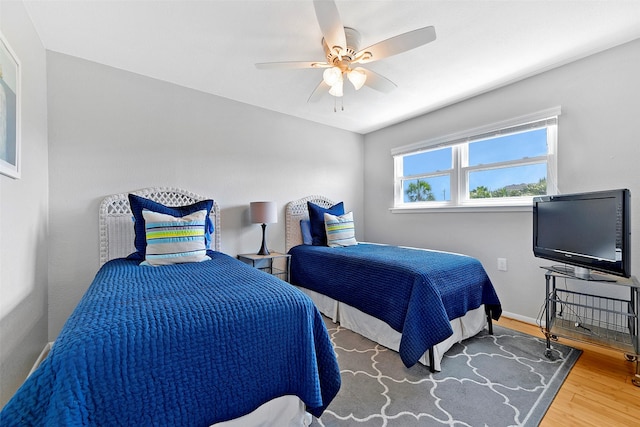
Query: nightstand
[276, 263]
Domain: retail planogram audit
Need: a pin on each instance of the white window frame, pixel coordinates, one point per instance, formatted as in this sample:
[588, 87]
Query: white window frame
[459, 173]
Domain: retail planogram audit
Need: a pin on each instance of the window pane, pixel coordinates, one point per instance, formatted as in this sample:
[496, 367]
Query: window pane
[428, 161]
[437, 188]
[528, 180]
[509, 147]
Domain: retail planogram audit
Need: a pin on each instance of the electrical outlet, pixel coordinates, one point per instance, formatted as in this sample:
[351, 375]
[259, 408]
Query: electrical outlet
[502, 264]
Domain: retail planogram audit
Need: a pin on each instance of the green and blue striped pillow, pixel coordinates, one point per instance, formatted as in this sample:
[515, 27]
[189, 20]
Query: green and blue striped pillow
[173, 240]
[340, 230]
[138, 204]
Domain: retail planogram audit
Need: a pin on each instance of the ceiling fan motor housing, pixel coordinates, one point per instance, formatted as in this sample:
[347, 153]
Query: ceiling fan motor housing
[346, 54]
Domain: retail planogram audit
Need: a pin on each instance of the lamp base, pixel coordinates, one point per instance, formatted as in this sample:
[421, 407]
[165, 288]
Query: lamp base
[263, 249]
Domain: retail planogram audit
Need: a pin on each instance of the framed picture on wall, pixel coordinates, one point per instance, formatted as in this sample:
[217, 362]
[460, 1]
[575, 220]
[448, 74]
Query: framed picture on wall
[9, 111]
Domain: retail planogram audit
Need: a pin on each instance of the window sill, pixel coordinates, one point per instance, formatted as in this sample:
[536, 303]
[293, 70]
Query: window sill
[462, 209]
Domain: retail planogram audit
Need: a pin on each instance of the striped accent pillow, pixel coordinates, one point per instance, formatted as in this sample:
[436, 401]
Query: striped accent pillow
[340, 230]
[172, 240]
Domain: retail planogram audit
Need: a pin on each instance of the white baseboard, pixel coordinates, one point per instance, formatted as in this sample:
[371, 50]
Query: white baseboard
[43, 355]
[520, 318]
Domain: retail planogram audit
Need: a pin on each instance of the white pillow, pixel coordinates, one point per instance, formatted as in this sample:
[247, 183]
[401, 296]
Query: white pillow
[340, 230]
[172, 240]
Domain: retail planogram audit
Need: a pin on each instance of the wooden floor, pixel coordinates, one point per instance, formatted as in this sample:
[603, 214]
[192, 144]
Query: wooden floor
[597, 392]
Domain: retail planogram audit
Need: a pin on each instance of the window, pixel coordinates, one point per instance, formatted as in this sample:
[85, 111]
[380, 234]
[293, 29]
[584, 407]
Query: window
[503, 164]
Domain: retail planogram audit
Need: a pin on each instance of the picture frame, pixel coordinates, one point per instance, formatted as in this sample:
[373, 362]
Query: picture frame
[10, 103]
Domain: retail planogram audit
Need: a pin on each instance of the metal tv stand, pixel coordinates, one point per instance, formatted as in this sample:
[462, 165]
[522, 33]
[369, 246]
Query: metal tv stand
[594, 319]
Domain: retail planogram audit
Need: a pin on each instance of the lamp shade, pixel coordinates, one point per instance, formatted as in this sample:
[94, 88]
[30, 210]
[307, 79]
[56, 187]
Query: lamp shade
[357, 77]
[337, 89]
[263, 212]
[332, 75]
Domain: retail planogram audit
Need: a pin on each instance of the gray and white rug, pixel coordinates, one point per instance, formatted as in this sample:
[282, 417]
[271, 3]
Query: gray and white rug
[489, 380]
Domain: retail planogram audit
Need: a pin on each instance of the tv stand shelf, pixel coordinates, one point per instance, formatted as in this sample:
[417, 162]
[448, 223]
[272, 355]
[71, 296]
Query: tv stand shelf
[594, 319]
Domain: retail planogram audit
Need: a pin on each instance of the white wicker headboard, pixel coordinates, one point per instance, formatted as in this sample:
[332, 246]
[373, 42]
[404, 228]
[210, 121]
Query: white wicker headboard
[116, 224]
[297, 210]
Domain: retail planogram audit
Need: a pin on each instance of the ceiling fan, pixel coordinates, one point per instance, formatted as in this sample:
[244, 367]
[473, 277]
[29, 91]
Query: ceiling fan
[343, 54]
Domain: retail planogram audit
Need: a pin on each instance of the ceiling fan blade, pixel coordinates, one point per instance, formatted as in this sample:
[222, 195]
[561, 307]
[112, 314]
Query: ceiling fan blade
[320, 90]
[378, 82]
[291, 65]
[330, 23]
[398, 44]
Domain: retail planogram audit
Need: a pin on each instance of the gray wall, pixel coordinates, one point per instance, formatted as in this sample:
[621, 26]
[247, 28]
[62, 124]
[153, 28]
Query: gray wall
[598, 148]
[112, 131]
[23, 214]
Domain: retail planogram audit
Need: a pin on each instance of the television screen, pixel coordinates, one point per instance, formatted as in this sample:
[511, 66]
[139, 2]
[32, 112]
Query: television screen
[589, 230]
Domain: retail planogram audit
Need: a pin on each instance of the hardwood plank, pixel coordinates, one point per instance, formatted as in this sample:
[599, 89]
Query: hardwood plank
[598, 390]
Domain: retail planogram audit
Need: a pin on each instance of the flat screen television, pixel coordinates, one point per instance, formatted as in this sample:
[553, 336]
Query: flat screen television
[585, 231]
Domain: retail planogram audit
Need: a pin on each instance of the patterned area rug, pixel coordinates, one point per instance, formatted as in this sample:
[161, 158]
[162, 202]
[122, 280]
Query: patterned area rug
[488, 380]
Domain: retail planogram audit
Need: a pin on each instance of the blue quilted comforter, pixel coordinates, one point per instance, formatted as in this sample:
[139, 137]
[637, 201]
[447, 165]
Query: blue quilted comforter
[188, 344]
[416, 292]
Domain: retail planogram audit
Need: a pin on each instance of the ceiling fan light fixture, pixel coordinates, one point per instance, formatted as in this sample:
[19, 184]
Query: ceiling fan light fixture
[332, 75]
[336, 89]
[341, 46]
[357, 77]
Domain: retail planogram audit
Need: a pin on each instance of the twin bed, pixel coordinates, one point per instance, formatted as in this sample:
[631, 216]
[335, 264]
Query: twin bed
[414, 301]
[218, 342]
[196, 343]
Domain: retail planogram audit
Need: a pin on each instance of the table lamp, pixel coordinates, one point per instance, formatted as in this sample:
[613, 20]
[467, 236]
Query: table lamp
[263, 213]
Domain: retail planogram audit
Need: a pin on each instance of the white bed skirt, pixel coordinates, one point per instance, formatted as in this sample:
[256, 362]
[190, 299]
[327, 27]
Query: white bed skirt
[285, 411]
[377, 330]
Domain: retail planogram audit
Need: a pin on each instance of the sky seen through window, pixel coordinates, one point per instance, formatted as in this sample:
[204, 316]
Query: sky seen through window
[483, 152]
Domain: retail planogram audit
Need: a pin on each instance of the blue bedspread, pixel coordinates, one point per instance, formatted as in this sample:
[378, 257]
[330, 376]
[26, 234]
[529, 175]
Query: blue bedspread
[416, 292]
[182, 345]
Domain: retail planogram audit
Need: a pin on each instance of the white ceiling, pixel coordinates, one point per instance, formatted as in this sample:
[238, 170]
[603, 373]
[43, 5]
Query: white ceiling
[212, 46]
